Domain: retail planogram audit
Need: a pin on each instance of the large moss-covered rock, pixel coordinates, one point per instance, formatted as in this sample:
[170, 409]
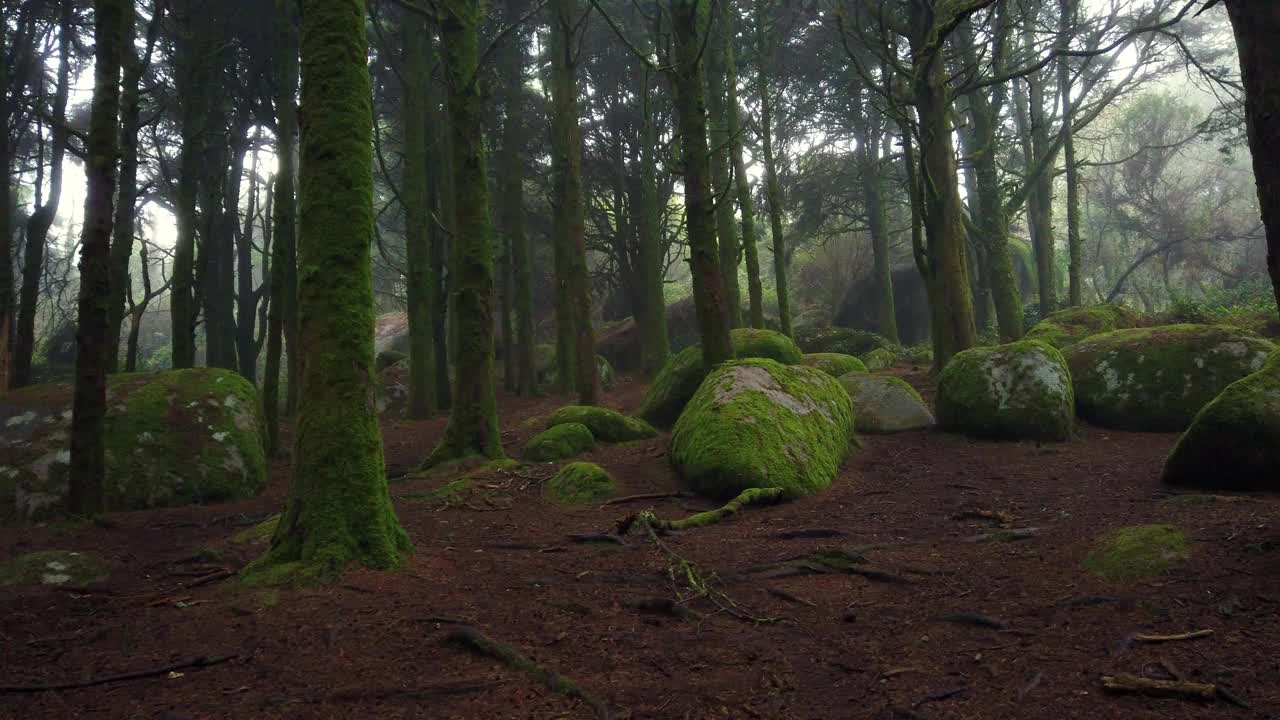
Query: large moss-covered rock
[544, 367]
[757, 423]
[879, 359]
[1019, 391]
[684, 372]
[560, 442]
[833, 364]
[883, 404]
[172, 438]
[1067, 327]
[831, 339]
[53, 567]
[1234, 442]
[606, 425]
[579, 483]
[1157, 379]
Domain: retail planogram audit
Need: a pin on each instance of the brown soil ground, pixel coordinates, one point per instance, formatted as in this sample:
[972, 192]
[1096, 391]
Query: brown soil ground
[1004, 629]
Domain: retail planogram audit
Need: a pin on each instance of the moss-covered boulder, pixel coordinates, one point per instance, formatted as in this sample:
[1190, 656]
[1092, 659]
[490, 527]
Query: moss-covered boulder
[559, 443]
[1137, 553]
[387, 358]
[172, 438]
[579, 483]
[605, 425]
[879, 359]
[393, 389]
[883, 404]
[831, 339]
[544, 367]
[53, 567]
[1019, 391]
[757, 423]
[1234, 442]
[683, 373]
[833, 364]
[1157, 379]
[1067, 327]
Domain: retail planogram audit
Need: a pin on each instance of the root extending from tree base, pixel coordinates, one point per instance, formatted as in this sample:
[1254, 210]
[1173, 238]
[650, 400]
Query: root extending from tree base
[481, 644]
[198, 662]
[751, 497]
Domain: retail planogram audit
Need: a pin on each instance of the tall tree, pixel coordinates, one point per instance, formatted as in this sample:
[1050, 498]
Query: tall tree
[652, 315]
[416, 73]
[473, 417]
[719, 59]
[866, 125]
[690, 20]
[773, 191]
[192, 81]
[742, 183]
[89, 405]
[339, 510]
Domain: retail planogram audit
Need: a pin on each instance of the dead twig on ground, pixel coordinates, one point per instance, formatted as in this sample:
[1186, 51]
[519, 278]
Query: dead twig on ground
[1196, 635]
[973, 619]
[1004, 519]
[1035, 682]
[1132, 684]
[197, 662]
[597, 538]
[645, 496]
[940, 696]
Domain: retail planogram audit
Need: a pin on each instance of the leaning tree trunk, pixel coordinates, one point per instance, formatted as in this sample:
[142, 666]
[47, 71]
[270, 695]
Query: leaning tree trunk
[422, 361]
[1256, 27]
[773, 191]
[718, 57]
[652, 317]
[689, 20]
[473, 418]
[42, 219]
[89, 405]
[339, 510]
[746, 205]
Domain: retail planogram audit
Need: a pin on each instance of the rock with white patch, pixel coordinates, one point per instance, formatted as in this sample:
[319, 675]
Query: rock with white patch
[172, 438]
[1019, 391]
[1156, 379]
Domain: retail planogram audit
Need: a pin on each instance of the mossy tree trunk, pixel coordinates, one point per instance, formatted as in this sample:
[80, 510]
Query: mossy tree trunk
[339, 510]
[42, 219]
[652, 315]
[575, 345]
[746, 204]
[1038, 148]
[1256, 26]
[1075, 269]
[416, 73]
[718, 56]
[773, 191]
[89, 404]
[192, 78]
[440, 198]
[473, 419]
[689, 20]
[6, 225]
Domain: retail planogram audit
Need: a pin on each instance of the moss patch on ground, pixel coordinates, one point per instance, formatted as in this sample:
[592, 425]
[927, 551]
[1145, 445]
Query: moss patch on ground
[1067, 327]
[579, 483]
[559, 443]
[259, 534]
[1137, 553]
[833, 364]
[53, 567]
[606, 425]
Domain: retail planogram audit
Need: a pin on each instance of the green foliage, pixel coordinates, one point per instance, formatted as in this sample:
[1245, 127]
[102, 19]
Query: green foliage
[833, 364]
[1251, 305]
[258, 534]
[1137, 553]
[559, 442]
[579, 483]
[53, 567]
[759, 424]
[606, 425]
[831, 339]
[1017, 391]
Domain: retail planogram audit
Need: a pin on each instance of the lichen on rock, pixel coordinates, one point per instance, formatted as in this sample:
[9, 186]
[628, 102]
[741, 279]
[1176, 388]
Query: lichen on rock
[758, 423]
[53, 567]
[1019, 391]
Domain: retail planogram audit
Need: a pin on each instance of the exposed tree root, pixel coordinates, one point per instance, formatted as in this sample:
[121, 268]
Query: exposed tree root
[662, 606]
[806, 533]
[827, 562]
[975, 620]
[604, 538]
[783, 594]
[1005, 535]
[198, 662]
[751, 497]
[1002, 518]
[1173, 638]
[645, 496]
[481, 644]
[1132, 684]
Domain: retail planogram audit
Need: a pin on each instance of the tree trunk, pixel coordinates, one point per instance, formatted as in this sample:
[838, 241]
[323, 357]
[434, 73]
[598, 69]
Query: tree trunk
[718, 55]
[746, 204]
[575, 347]
[866, 124]
[1256, 26]
[413, 191]
[283, 296]
[192, 81]
[513, 216]
[473, 419]
[42, 219]
[652, 313]
[443, 232]
[689, 20]
[246, 297]
[773, 193]
[89, 406]
[339, 510]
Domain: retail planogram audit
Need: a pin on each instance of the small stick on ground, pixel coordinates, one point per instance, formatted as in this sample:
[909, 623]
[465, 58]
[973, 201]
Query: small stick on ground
[1003, 518]
[939, 696]
[975, 620]
[1173, 638]
[1005, 535]
[1133, 684]
[778, 593]
[481, 644]
[597, 538]
[197, 662]
[1035, 683]
[645, 496]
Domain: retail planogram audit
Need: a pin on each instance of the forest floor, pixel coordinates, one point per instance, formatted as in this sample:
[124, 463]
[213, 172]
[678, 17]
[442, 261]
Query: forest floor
[935, 625]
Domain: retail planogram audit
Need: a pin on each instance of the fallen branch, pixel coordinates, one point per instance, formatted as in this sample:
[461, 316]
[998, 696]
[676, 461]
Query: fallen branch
[1173, 638]
[974, 619]
[827, 562]
[1005, 535]
[1159, 688]
[751, 497]
[479, 643]
[597, 538]
[1003, 518]
[198, 662]
[645, 496]
[789, 597]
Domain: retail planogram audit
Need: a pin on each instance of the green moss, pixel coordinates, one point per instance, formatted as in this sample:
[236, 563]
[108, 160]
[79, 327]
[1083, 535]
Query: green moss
[824, 339]
[1017, 391]
[749, 498]
[559, 443]
[1137, 553]
[833, 364]
[684, 372]
[53, 567]
[1067, 327]
[1234, 442]
[258, 534]
[757, 423]
[1157, 379]
[605, 425]
[579, 483]
[451, 494]
[880, 359]
[387, 358]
